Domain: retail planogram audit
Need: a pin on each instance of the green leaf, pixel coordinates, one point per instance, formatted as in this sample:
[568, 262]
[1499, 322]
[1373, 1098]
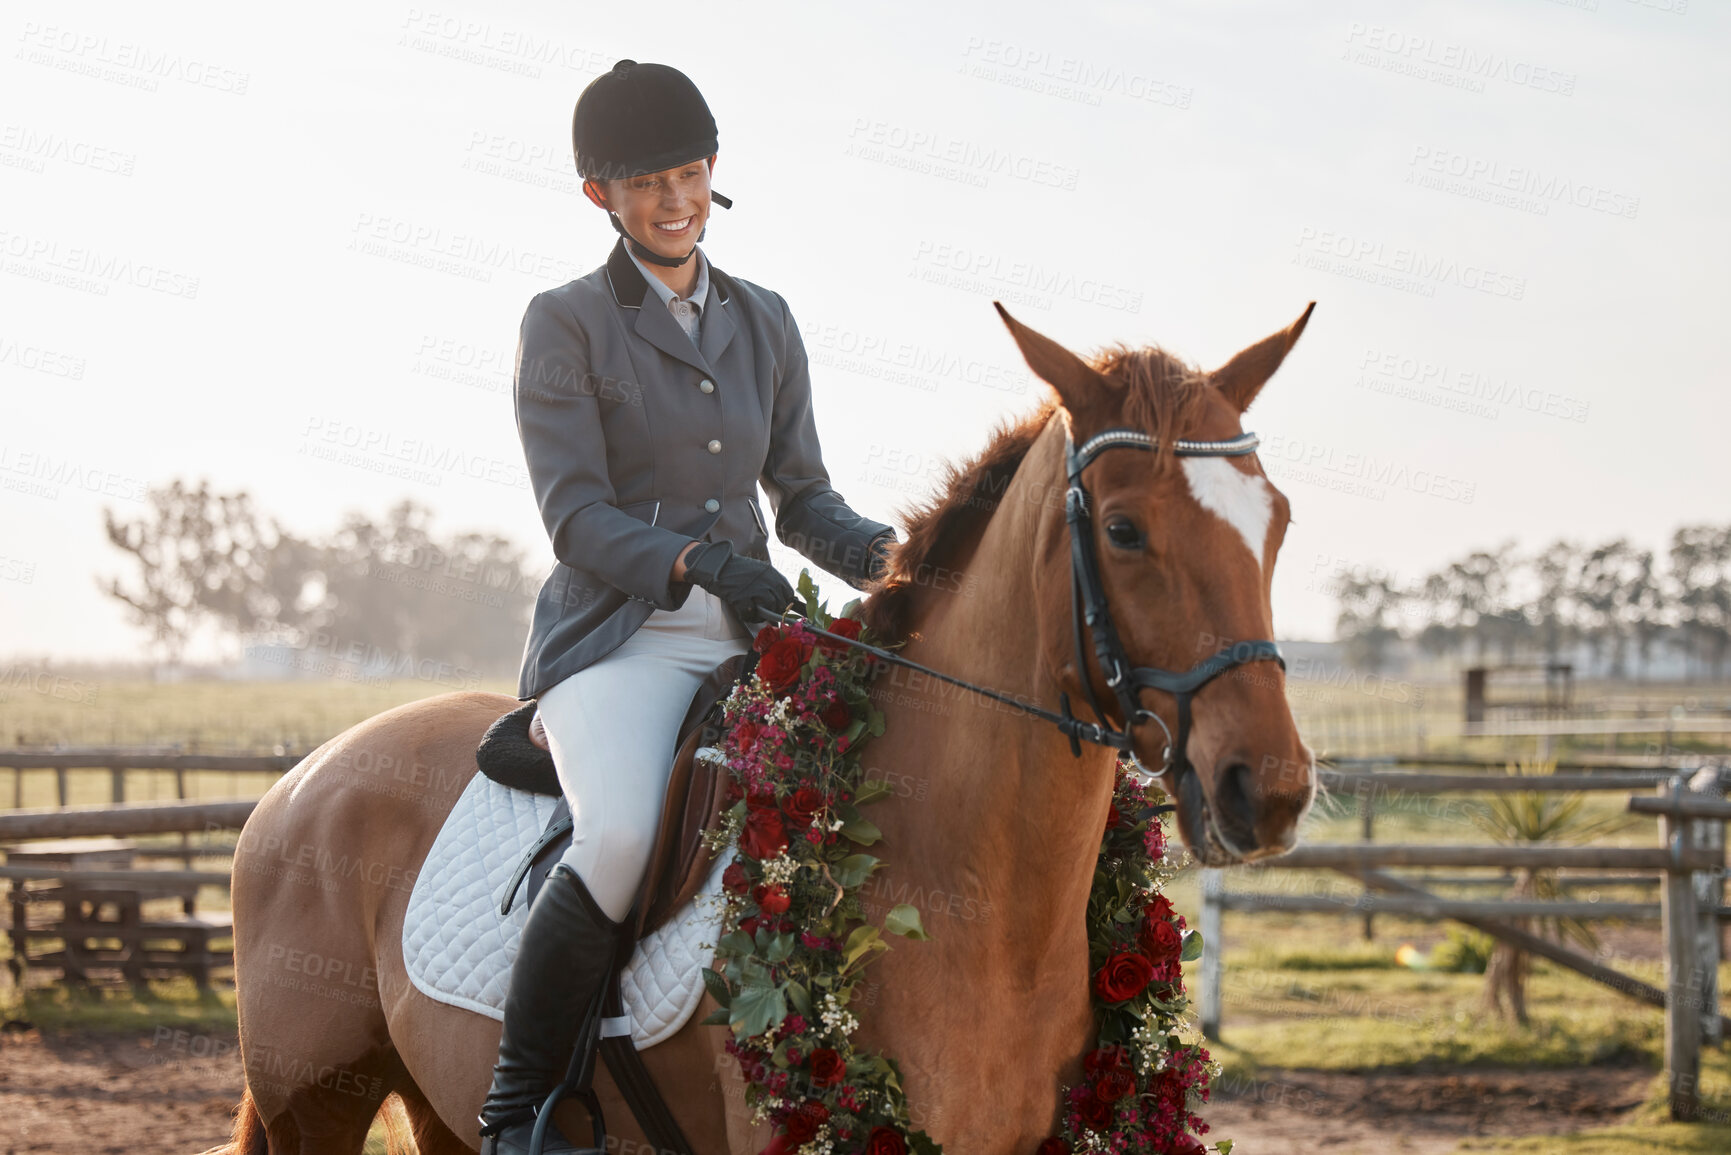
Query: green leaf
[872, 789]
[800, 998]
[904, 919]
[1192, 946]
[859, 829]
[808, 591]
[717, 987]
[877, 723]
[863, 939]
[756, 1009]
[736, 943]
[780, 947]
[852, 870]
[716, 1018]
[1224, 1147]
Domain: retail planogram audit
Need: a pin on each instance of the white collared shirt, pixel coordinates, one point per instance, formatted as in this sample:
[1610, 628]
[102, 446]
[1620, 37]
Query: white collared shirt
[685, 310]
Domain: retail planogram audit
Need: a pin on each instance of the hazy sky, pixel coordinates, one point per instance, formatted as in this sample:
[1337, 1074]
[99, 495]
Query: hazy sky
[289, 249]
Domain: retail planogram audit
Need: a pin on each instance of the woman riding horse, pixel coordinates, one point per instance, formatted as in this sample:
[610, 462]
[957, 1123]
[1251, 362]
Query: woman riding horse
[628, 380]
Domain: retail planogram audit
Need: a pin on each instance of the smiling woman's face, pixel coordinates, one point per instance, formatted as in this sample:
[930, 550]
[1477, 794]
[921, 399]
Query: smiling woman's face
[647, 203]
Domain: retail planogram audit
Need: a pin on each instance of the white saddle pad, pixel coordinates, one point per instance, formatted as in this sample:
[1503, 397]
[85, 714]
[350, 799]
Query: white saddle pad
[459, 950]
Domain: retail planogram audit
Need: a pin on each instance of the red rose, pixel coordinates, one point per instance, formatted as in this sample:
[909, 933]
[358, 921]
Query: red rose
[1096, 1116]
[1160, 941]
[804, 1122]
[827, 1067]
[771, 899]
[779, 667]
[1114, 1085]
[804, 803]
[745, 734]
[768, 636]
[1052, 1146]
[837, 715]
[885, 1141]
[847, 628]
[1114, 818]
[1159, 907]
[733, 879]
[733, 793]
[764, 836]
[1123, 976]
[1186, 1144]
[1111, 1058]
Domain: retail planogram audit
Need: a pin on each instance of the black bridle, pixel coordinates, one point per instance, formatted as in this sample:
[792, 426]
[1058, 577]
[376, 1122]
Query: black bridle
[1088, 603]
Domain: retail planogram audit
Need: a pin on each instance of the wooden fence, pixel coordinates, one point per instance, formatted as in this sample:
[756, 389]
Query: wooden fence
[1688, 865]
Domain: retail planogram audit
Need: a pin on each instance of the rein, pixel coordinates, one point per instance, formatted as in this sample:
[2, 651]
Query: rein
[1088, 603]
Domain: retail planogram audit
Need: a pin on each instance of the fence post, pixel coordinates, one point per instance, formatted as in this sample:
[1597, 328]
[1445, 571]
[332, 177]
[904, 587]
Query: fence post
[1213, 885]
[1683, 1003]
[1367, 816]
[1709, 833]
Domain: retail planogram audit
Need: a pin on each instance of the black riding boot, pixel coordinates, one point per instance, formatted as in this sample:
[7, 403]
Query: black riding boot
[567, 946]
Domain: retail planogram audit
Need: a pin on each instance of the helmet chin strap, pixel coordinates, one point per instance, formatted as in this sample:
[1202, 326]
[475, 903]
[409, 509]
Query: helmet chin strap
[644, 253]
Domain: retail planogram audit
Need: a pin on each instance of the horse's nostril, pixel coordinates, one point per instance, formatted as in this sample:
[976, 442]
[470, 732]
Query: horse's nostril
[1235, 809]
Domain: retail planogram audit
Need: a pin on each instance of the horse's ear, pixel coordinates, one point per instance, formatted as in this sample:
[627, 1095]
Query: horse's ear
[1078, 385]
[1243, 377]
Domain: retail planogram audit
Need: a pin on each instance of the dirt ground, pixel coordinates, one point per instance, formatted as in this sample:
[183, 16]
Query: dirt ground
[163, 1092]
[1288, 1112]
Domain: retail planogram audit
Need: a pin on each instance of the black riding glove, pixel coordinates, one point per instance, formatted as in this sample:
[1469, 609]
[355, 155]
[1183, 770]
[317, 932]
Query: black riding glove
[752, 588]
[880, 548]
[876, 561]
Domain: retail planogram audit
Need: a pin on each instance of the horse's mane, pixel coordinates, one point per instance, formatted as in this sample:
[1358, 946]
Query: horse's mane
[1162, 395]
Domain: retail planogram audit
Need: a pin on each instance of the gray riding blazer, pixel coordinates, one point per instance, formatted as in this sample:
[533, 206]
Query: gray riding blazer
[639, 443]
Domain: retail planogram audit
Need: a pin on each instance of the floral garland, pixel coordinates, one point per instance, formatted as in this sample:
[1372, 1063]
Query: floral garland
[1143, 1082]
[795, 936]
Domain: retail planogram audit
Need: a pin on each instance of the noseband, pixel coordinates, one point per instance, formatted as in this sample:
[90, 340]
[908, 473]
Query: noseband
[1088, 602]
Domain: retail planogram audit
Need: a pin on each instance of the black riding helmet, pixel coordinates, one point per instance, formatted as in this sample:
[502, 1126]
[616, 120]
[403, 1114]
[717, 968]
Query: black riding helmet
[642, 118]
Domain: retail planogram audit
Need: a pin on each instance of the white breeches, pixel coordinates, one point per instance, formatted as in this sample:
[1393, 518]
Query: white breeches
[612, 727]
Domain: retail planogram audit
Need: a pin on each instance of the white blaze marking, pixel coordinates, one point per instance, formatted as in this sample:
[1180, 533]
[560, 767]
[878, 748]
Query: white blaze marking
[1241, 499]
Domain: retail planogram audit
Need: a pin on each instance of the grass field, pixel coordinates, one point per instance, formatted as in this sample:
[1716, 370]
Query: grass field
[1303, 991]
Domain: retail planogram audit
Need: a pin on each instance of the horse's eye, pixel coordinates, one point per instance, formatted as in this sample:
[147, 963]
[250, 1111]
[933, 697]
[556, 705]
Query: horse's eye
[1124, 534]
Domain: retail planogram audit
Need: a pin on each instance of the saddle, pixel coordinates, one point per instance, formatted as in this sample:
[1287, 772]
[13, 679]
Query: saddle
[678, 866]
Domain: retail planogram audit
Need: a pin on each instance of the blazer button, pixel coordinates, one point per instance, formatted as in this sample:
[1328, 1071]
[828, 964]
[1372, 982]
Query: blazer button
[706, 385]
[715, 447]
[711, 505]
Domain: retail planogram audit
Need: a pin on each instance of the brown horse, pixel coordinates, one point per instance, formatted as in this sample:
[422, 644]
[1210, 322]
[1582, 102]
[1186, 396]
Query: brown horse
[991, 829]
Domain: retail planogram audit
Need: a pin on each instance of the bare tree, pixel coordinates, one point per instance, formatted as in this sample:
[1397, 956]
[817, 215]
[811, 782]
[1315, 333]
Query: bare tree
[387, 594]
[201, 556]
